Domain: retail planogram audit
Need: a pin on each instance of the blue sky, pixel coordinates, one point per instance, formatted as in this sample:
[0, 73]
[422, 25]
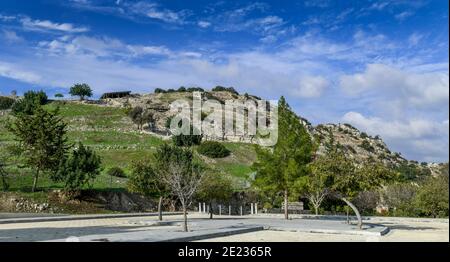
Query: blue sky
[380, 65]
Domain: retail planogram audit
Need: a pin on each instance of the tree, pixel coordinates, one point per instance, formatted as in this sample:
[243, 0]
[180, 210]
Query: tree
[316, 185]
[215, 187]
[139, 116]
[6, 102]
[278, 169]
[178, 169]
[348, 179]
[398, 196]
[81, 90]
[81, 167]
[42, 140]
[432, 197]
[144, 180]
[59, 95]
[30, 101]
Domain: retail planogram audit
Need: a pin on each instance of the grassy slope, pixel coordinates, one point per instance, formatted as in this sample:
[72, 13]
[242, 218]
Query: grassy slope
[112, 135]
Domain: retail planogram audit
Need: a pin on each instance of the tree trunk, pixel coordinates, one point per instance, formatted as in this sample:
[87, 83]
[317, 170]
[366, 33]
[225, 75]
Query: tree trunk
[358, 215]
[210, 210]
[159, 208]
[35, 180]
[316, 209]
[286, 214]
[185, 225]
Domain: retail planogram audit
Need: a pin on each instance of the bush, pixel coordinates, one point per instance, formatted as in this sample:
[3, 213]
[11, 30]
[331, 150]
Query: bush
[6, 102]
[226, 89]
[194, 89]
[187, 140]
[116, 171]
[213, 149]
[367, 146]
[160, 91]
[30, 101]
[79, 169]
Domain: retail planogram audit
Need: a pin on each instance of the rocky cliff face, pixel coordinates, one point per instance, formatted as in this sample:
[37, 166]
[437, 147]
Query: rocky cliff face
[358, 145]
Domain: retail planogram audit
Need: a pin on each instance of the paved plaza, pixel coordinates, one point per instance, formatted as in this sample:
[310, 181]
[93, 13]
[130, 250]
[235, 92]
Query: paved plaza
[138, 228]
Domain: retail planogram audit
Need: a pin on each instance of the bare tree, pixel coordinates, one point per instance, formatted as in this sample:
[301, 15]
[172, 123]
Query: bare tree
[316, 198]
[180, 173]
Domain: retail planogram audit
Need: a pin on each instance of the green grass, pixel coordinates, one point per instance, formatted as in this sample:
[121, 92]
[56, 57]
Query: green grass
[110, 132]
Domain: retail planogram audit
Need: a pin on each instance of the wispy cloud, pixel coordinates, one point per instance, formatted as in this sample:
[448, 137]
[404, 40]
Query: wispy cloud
[46, 25]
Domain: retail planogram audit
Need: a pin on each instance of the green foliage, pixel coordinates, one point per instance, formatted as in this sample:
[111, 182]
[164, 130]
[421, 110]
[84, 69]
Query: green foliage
[42, 139]
[187, 138]
[216, 187]
[139, 116]
[363, 135]
[81, 90]
[6, 102]
[367, 146]
[79, 169]
[159, 90]
[400, 199]
[348, 179]
[116, 172]
[30, 101]
[412, 172]
[178, 169]
[213, 149]
[278, 169]
[195, 89]
[226, 89]
[432, 197]
[59, 95]
[144, 180]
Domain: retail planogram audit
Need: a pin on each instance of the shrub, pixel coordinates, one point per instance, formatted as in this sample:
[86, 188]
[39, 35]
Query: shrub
[213, 149]
[79, 169]
[193, 89]
[187, 140]
[364, 135]
[159, 90]
[367, 146]
[6, 102]
[227, 89]
[30, 101]
[116, 171]
[182, 89]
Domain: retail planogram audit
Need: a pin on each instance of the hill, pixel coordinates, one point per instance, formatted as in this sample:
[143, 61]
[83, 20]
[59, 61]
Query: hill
[105, 126]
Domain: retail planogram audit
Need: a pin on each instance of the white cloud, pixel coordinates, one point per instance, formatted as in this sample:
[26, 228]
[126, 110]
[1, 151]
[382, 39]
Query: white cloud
[9, 70]
[311, 86]
[204, 24]
[421, 89]
[7, 18]
[46, 25]
[423, 139]
[100, 47]
[11, 36]
[403, 15]
[414, 38]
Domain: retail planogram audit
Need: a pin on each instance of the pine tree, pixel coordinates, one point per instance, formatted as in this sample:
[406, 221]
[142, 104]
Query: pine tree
[278, 168]
[42, 140]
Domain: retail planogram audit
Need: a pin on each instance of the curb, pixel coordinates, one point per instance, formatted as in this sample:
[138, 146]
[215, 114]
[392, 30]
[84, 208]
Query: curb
[214, 235]
[79, 217]
[384, 230]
